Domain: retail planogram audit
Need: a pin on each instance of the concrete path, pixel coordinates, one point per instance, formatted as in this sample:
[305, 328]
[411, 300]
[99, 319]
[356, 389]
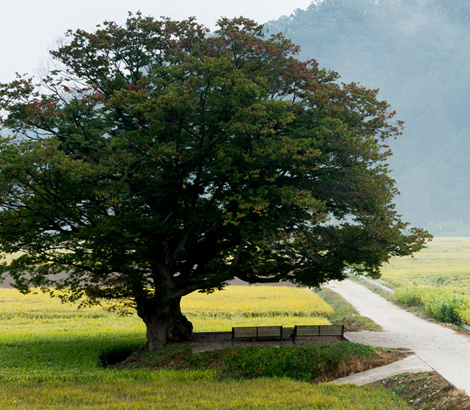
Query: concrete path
[443, 349]
[411, 364]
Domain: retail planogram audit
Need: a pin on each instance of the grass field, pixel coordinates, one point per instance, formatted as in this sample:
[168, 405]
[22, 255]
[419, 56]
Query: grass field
[50, 358]
[175, 394]
[444, 263]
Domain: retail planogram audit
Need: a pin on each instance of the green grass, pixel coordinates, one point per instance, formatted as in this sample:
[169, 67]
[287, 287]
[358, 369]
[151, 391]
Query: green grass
[313, 363]
[40, 337]
[174, 394]
[51, 357]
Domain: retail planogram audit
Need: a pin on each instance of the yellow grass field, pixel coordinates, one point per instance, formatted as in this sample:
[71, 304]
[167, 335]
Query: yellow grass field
[257, 301]
[444, 263]
[36, 314]
[254, 306]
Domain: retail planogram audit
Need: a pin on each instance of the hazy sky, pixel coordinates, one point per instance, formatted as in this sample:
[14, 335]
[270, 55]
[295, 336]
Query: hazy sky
[29, 28]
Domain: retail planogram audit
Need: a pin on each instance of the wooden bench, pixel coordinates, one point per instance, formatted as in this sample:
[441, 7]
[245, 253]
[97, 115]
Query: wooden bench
[257, 333]
[318, 330]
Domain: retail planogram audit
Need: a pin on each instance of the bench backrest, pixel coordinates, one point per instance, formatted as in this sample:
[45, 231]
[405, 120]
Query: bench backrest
[244, 331]
[332, 330]
[269, 331]
[257, 331]
[319, 330]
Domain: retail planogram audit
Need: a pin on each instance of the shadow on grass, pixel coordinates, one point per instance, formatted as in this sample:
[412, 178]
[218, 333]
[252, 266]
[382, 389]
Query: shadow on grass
[66, 353]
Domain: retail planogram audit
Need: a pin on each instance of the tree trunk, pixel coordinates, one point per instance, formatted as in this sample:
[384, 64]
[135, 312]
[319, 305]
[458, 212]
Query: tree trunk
[180, 329]
[166, 325]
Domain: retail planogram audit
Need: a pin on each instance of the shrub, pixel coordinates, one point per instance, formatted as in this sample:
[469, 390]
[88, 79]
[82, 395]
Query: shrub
[463, 311]
[442, 304]
[445, 307]
[411, 295]
[306, 363]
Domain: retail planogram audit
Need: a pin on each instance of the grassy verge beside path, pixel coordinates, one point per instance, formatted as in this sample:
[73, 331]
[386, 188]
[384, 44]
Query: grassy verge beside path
[345, 314]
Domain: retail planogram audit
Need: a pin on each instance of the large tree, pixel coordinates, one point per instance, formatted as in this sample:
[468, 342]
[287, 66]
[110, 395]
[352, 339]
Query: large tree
[154, 160]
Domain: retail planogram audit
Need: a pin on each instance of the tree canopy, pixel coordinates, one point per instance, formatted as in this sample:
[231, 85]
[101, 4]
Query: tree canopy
[155, 160]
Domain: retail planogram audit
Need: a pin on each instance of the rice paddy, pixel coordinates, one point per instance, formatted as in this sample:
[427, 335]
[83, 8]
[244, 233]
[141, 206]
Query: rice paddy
[444, 263]
[255, 306]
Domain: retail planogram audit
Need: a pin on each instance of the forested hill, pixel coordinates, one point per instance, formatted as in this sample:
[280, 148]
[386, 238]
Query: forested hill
[418, 53]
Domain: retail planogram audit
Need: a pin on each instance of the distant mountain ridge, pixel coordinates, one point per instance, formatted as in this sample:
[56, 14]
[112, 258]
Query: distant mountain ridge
[418, 53]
